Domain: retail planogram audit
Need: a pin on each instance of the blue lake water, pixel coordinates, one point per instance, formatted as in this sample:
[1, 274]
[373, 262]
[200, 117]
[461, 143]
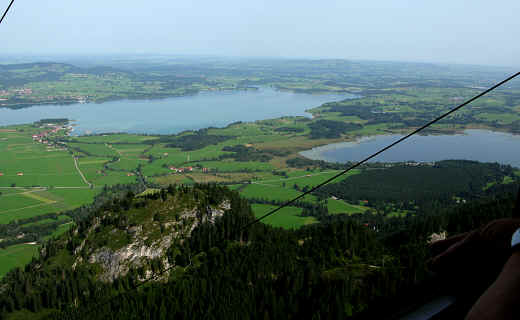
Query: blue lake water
[176, 114]
[480, 145]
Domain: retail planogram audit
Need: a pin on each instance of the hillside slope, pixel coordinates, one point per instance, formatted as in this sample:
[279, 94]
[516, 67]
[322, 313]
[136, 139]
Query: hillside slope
[190, 243]
[195, 233]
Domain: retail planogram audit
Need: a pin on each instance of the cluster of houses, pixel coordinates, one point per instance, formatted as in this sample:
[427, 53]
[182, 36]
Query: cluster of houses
[185, 169]
[23, 91]
[419, 164]
[42, 137]
[5, 94]
[408, 164]
[78, 75]
[18, 174]
[79, 99]
[181, 170]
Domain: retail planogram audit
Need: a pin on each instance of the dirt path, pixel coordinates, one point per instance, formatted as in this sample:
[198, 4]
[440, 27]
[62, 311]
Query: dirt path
[21, 193]
[18, 209]
[81, 173]
[33, 195]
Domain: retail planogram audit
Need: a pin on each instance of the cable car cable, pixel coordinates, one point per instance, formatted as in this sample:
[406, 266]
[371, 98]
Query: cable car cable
[6, 10]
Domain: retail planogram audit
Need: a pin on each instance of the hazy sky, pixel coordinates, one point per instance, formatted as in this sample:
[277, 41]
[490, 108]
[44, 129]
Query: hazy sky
[456, 31]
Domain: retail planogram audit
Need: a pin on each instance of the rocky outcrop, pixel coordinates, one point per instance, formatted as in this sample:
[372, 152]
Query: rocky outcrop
[140, 250]
[117, 263]
[434, 237]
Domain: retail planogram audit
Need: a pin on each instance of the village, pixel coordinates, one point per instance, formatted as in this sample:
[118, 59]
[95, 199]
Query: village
[42, 138]
[52, 129]
[181, 170]
[17, 96]
[186, 169]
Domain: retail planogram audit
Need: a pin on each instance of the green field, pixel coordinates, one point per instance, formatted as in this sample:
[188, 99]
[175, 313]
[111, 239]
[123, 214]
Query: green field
[307, 178]
[28, 163]
[94, 170]
[11, 201]
[15, 256]
[233, 166]
[338, 206]
[272, 192]
[288, 217]
[504, 118]
[32, 203]
[127, 165]
[36, 178]
[114, 138]
[94, 149]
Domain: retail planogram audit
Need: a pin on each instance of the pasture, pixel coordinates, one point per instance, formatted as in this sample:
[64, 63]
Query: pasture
[337, 206]
[307, 179]
[28, 203]
[26, 163]
[94, 149]
[288, 217]
[114, 138]
[15, 256]
[272, 192]
[34, 177]
[125, 164]
[233, 166]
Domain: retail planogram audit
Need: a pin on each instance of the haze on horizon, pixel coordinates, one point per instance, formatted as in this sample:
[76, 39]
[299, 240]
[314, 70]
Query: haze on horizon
[445, 31]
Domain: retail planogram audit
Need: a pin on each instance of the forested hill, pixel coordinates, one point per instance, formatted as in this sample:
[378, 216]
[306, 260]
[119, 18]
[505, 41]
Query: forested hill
[421, 187]
[217, 270]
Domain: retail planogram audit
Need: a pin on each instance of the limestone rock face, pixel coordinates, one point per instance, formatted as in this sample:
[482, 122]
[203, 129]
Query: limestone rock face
[117, 263]
[139, 250]
[434, 237]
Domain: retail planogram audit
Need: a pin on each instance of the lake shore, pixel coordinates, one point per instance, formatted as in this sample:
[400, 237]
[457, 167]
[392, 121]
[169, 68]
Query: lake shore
[471, 144]
[177, 114]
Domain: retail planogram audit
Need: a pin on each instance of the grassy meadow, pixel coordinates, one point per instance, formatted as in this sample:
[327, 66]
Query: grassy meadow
[15, 256]
[288, 217]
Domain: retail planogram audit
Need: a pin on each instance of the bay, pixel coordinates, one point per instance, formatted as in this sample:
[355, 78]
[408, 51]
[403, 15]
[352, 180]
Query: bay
[479, 145]
[173, 115]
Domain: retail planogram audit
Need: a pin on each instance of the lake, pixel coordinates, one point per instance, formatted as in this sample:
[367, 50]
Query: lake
[173, 115]
[480, 145]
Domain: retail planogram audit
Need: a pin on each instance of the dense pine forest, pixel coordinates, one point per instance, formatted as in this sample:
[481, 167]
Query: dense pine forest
[207, 266]
[421, 187]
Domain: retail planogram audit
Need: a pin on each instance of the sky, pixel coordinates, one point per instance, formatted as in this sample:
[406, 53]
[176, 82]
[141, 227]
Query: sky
[480, 32]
